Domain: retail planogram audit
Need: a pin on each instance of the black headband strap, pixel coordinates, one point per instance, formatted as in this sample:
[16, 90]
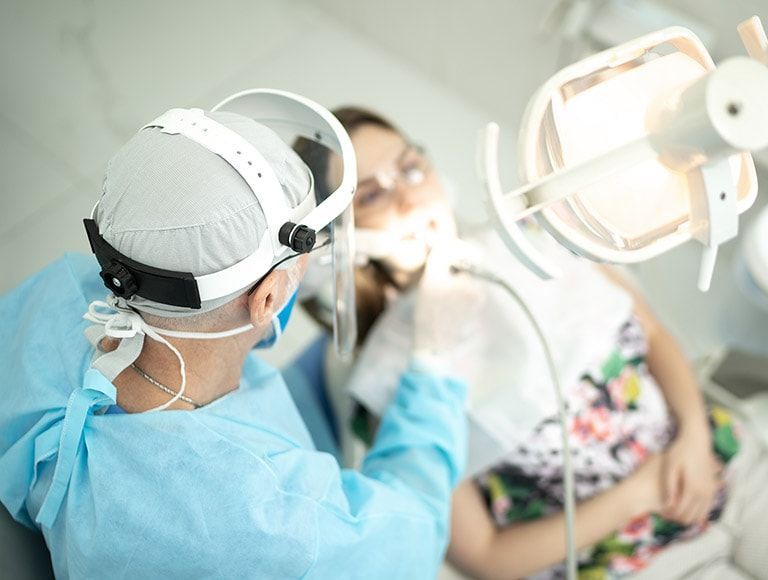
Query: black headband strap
[126, 277]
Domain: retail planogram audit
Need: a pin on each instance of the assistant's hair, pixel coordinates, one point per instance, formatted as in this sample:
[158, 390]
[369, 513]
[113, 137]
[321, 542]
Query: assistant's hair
[373, 282]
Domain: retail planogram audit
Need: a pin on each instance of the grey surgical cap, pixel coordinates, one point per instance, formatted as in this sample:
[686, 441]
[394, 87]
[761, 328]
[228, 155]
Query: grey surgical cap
[170, 203]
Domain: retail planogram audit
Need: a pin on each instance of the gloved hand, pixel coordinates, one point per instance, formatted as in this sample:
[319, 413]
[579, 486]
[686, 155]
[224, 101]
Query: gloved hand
[448, 306]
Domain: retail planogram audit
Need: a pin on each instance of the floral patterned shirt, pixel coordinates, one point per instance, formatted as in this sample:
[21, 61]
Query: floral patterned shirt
[617, 415]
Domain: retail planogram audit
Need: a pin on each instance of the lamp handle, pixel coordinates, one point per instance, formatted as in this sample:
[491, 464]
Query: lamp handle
[505, 213]
[754, 39]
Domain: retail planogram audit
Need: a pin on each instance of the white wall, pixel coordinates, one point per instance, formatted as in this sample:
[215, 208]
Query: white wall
[78, 78]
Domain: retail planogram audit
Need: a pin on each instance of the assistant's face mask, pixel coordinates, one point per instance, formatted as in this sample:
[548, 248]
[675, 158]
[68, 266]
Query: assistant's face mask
[405, 243]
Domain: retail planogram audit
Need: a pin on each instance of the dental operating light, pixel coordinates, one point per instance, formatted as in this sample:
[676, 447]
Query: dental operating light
[628, 154]
[635, 150]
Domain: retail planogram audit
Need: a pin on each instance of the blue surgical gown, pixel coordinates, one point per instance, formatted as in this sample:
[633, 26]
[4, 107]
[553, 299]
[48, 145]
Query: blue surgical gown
[232, 490]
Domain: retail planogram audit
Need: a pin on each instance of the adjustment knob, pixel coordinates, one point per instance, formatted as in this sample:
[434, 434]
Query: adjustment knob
[118, 279]
[299, 238]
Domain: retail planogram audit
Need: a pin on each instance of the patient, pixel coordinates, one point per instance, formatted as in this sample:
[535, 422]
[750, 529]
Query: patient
[653, 466]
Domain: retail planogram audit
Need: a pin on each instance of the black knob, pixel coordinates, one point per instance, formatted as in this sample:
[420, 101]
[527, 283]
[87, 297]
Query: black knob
[299, 238]
[118, 279]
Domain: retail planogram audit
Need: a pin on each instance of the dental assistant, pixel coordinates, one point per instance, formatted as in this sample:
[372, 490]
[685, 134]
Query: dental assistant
[147, 439]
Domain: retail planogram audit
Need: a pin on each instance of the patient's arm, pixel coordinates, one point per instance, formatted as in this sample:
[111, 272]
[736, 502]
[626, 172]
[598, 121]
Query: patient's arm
[482, 550]
[667, 363]
[690, 486]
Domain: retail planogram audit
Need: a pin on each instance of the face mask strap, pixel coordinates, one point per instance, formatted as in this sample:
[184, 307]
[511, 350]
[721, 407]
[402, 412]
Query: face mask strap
[127, 325]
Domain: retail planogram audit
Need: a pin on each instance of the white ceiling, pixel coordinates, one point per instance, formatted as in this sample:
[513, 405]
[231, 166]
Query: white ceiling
[493, 52]
[487, 51]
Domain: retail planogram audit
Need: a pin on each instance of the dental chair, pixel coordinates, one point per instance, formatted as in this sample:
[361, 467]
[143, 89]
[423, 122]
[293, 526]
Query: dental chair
[23, 553]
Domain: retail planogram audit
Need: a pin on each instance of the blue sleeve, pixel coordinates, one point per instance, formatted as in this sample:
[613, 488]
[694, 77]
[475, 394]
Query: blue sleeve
[422, 437]
[397, 521]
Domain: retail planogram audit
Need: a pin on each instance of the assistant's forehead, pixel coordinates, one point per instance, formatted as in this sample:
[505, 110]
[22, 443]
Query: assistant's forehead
[375, 148]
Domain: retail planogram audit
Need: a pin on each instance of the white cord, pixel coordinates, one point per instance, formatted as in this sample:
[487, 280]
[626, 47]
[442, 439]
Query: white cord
[570, 501]
[124, 323]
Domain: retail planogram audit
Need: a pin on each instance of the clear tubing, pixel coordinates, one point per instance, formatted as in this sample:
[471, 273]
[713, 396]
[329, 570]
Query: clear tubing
[570, 498]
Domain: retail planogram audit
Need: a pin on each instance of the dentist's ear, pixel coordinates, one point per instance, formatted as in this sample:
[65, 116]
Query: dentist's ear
[271, 293]
[262, 302]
